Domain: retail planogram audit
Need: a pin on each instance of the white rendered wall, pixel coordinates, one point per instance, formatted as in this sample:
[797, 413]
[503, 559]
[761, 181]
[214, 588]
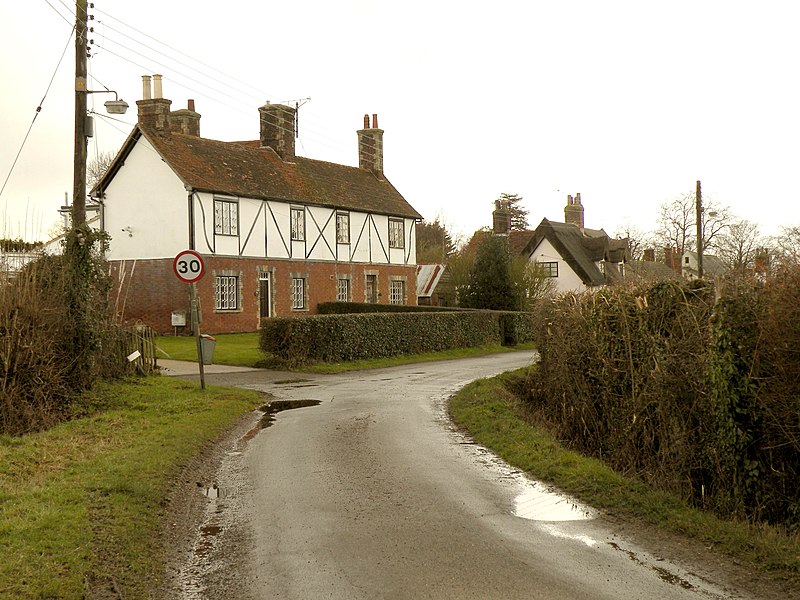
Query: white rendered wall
[264, 231]
[146, 208]
[567, 280]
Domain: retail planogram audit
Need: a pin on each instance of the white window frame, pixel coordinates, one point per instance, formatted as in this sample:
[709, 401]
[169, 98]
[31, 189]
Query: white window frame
[397, 233]
[226, 292]
[297, 219]
[298, 293]
[343, 289]
[226, 217]
[397, 291]
[342, 228]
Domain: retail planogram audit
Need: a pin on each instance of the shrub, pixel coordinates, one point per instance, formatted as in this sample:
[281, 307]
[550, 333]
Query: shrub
[56, 339]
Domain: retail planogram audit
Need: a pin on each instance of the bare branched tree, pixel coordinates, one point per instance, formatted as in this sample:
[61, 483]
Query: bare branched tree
[738, 245]
[97, 167]
[678, 223]
[638, 240]
[786, 246]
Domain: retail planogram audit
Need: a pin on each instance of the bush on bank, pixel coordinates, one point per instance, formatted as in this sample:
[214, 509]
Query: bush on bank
[688, 387]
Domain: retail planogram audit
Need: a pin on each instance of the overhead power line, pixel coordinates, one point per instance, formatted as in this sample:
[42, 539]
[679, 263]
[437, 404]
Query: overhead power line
[38, 110]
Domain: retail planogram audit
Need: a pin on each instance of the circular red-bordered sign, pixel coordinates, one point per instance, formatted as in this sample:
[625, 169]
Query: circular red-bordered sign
[188, 266]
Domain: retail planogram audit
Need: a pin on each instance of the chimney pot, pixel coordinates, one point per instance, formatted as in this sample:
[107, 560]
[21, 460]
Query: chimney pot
[370, 147]
[191, 105]
[157, 93]
[146, 87]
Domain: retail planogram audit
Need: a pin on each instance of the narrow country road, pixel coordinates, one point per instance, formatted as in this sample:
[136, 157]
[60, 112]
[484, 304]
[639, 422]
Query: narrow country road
[372, 494]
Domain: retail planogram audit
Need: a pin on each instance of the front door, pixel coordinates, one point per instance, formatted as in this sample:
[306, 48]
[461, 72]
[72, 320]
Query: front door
[264, 296]
[372, 289]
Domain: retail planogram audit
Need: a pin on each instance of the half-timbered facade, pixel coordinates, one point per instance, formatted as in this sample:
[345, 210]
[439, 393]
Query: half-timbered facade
[278, 233]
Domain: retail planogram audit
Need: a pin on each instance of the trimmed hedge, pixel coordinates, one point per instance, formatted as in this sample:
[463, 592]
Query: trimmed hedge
[348, 308]
[347, 337]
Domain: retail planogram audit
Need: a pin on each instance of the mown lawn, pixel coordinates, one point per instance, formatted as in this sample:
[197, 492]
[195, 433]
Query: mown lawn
[80, 504]
[239, 349]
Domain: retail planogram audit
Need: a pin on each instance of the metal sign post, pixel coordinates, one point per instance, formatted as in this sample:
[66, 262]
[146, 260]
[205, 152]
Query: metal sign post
[189, 268]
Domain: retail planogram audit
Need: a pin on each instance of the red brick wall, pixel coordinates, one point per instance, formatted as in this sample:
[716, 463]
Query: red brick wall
[149, 291]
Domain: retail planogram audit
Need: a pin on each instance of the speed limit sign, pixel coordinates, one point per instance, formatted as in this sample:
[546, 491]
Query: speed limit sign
[188, 266]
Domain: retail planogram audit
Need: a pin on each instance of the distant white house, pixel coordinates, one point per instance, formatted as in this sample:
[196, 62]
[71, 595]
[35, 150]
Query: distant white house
[712, 266]
[577, 258]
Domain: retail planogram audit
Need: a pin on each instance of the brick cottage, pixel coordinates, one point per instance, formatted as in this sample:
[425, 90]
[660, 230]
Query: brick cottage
[278, 233]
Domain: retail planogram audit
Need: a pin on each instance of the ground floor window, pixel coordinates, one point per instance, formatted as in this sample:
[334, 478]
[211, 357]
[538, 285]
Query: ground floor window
[298, 293]
[397, 292]
[343, 290]
[226, 292]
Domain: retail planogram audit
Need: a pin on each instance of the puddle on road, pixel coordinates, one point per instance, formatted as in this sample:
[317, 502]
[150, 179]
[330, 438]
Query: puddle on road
[273, 407]
[538, 504]
[211, 491]
[285, 381]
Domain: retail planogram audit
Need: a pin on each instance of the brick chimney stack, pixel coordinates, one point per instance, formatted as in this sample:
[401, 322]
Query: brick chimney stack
[501, 218]
[573, 211]
[370, 147]
[277, 129]
[153, 112]
[185, 120]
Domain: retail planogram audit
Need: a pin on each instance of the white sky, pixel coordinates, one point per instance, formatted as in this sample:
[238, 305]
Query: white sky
[627, 102]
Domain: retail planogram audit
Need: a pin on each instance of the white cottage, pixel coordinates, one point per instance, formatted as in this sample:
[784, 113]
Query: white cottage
[577, 258]
[278, 233]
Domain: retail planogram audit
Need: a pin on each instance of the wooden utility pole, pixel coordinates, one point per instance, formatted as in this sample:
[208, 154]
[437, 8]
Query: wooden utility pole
[699, 199]
[79, 172]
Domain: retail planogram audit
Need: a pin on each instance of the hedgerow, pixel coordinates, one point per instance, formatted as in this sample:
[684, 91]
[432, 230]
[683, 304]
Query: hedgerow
[689, 388]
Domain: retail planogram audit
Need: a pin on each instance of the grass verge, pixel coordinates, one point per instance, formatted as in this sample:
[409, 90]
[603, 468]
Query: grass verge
[81, 504]
[493, 416]
[241, 349]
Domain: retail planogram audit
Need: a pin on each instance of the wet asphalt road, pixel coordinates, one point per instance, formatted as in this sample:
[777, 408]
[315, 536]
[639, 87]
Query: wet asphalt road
[372, 494]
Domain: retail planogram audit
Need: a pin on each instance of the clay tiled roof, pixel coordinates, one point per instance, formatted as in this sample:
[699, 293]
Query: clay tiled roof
[245, 169]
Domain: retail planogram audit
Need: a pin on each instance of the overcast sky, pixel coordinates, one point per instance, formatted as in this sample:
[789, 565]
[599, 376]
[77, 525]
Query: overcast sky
[627, 102]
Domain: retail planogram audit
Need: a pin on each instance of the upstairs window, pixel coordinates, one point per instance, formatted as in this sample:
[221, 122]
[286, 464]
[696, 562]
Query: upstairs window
[342, 228]
[226, 217]
[298, 224]
[549, 269]
[396, 233]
